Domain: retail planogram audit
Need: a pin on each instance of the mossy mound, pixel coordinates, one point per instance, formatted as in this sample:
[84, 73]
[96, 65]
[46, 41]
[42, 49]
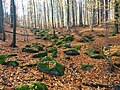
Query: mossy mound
[77, 47]
[87, 38]
[71, 52]
[54, 54]
[66, 45]
[29, 50]
[93, 53]
[67, 57]
[28, 46]
[112, 34]
[34, 48]
[86, 67]
[50, 66]
[115, 53]
[12, 63]
[2, 58]
[69, 38]
[40, 55]
[100, 35]
[53, 49]
[53, 36]
[59, 43]
[32, 86]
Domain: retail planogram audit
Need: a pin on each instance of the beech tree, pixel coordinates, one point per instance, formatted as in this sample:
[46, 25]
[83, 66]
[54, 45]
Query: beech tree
[2, 32]
[116, 16]
[13, 16]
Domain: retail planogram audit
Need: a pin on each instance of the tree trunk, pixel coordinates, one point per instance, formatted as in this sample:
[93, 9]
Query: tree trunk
[80, 15]
[116, 16]
[11, 14]
[68, 18]
[14, 23]
[2, 22]
[73, 15]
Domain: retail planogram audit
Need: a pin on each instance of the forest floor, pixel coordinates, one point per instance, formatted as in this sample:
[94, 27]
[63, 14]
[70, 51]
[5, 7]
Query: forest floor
[11, 77]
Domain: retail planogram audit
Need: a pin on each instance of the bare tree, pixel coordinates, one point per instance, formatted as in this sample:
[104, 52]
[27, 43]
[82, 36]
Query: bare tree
[2, 21]
[13, 13]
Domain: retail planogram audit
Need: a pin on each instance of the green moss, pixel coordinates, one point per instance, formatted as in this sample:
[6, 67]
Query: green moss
[50, 66]
[28, 46]
[100, 35]
[93, 53]
[86, 67]
[77, 47]
[96, 56]
[67, 57]
[105, 48]
[40, 55]
[33, 86]
[54, 36]
[54, 54]
[59, 42]
[39, 48]
[69, 38]
[2, 58]
[115, 53]
[112, 34]
[67, 45]
[71, 52]
[29, 50]
[53, 49]
[87, 38]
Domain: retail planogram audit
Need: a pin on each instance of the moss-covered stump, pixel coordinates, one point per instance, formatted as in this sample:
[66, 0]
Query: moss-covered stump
[50, 66]
[3, 58]
[32, 86]
[93, 53]
[53, 49]
[12, 63]
[100, 35]
[86, 67]
[69, 38]
[71, 52]
[87, 38]
[53, 36]
[34, 48]
[29, 50]
[66, 45]
[40, 55]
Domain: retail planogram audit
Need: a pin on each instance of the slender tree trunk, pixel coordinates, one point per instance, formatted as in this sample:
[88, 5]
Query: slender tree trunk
[2, 22]
[11, 14]
[14, 23]
[73, 13]
[116, 16]
[34, 14]
[80, 14]
[68, 18]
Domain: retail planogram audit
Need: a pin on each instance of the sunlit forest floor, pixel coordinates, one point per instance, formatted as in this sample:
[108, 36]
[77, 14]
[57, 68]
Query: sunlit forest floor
[11, 77]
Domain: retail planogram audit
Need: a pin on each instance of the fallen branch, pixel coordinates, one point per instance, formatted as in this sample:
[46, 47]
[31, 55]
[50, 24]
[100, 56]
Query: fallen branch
[97, 85]
[72, 71]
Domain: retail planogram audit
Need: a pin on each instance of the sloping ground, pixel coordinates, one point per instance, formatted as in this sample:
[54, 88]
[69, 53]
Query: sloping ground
[11, 77]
